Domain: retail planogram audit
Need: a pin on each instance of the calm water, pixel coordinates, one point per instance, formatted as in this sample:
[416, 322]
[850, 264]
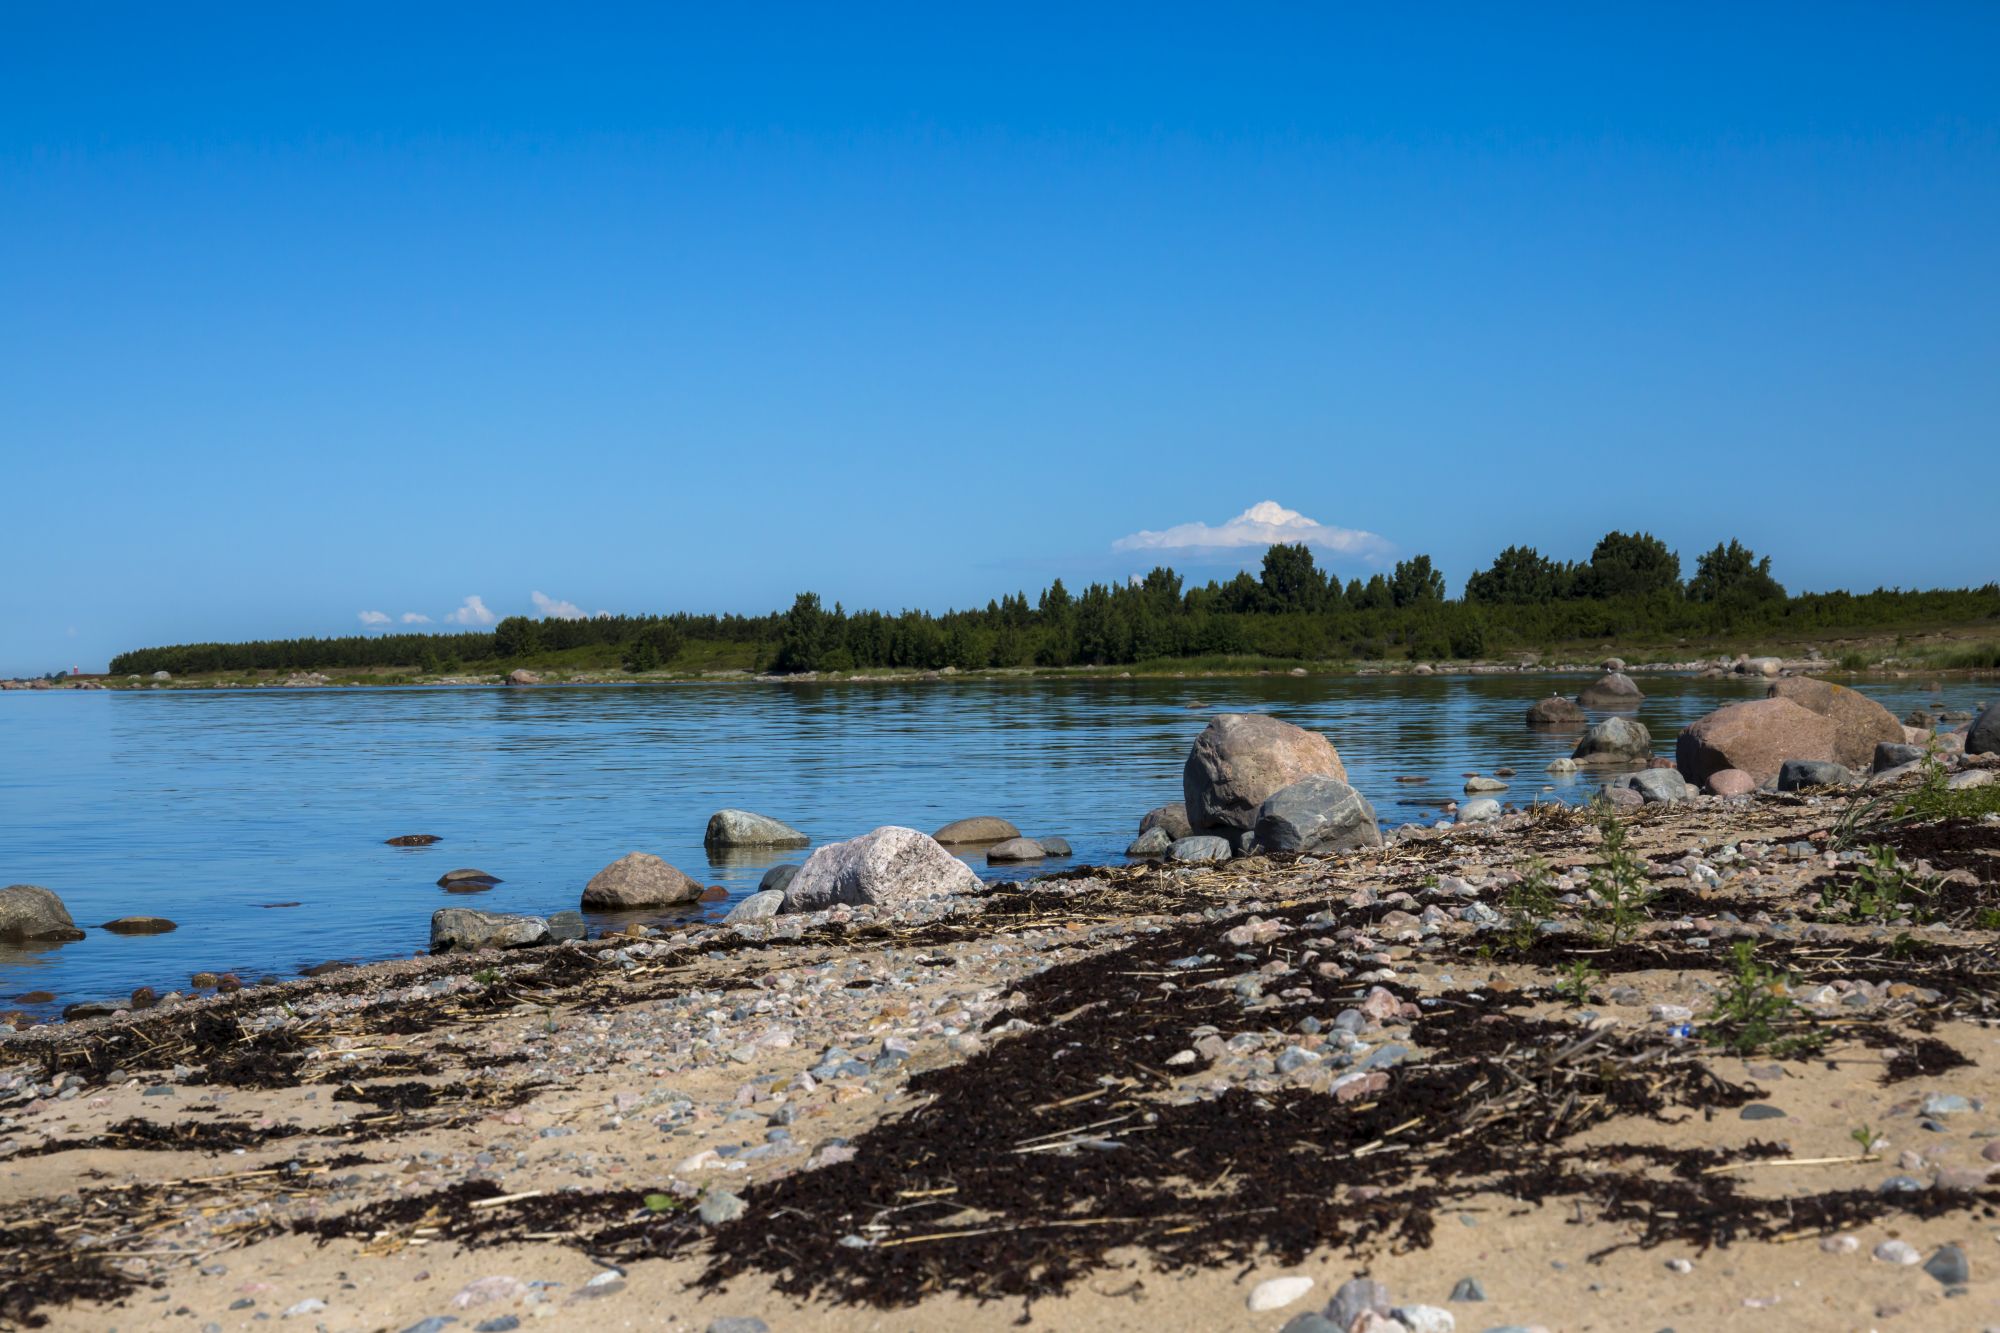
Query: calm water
[202, 806]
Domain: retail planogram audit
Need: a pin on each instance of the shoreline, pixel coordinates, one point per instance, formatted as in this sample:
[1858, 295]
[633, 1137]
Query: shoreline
[739, 1104]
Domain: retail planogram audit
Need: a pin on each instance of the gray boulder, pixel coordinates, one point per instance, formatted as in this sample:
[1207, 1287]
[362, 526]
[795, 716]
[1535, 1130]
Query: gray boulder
[777, 879]
[31, 912]
[461, 929]
[1478, 810]
[979, 828]
[742, 828]
[638, 879]
[764, 903]
[889, 866]
[1201, 849]
[1055, 846]
[1892, 754]
[1984, 736]
[1240, 759]
[1016, 849]
[466, 876]
[1615, 740]
[1173, 818]
[1658, 786]
[1555, 711]
[1316, 814]
[1154, 841]
[1797, 774]
[1614, 689]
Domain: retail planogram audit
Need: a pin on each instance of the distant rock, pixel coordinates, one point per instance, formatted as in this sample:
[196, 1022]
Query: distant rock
[1240, 759]
[638, 879]
[1757, 736]
[1200, 849]
[1615, 740]
[1555, 711]
[1859, 723]
[466, 876]
[140, 925]
[890, 866]
[1612, 664]
[757, 907]
[1173, 818]
[1475, 783]
[1016, 849]
[742, 828]
[94, 1009]
[31, 912]
[1731, 782]
[1984, 735]
[1316, 814]
[460, 929]
[1761, 666]
[776, 878]
[520, 676]
[1053, 846]
[413, 840]
[1659, 786]
[1478, 810]
[1893, 754]
[979, 828]
[1153, 842]
[1562, 766]
[163, 675]
[1614, 689]
[1799, 774]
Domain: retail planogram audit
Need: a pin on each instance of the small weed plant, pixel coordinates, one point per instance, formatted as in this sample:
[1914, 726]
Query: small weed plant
[1576, 981]
[1869, 1140]
[1530, 903]
[1620, 894]
[1879, 889]
[1750, 1015]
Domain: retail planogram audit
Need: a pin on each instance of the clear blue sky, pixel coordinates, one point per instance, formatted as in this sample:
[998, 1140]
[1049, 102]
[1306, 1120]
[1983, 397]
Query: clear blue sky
[311, 311]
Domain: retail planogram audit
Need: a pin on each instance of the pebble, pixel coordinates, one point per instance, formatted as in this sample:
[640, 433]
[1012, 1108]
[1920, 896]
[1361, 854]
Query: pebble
[505, 1323]
[1898, 1252]
[437, 1323]
[738, 1323]
[1839, 1244]
[1426, 1319]
[1760, 1111]
[313, 1305]
[1949, 1266]
[1680, 1266]
[721, 1206]
[1468, 1289]
[1278, 1292]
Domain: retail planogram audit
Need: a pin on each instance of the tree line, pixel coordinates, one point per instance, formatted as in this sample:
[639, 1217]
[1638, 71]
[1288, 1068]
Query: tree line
[1631, 585]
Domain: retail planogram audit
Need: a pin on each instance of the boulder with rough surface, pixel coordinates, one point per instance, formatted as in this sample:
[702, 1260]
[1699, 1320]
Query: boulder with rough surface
[1154, 841]
[1890, 754]
[759, 905]
[1316, 814]
[743, 828]
[1555, 711]
[639, 879]
[458, 929]
[1240, 759]
[1200, 849]
[776, 878]
[1173, 818]
[1984, 735]
[889, 866]
[1658, 786]
[1859, 723]
[1614, 689]
[31, 912]
[1615, 740]
[1757, 736]
[979, 828]
[1798, 774]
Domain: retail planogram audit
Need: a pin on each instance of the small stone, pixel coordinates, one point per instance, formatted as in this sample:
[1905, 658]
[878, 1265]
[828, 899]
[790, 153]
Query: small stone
[1425, 1319]
[738, 1323]
[1760, 1111]
[310, 1305]
[1680, 1266]
[1468, 1289]
[1839, 1244]
[1949, 1266]
[1945, 1104]
[1278, 1292]
[500, 1323]
[721, 1206]
[1356, 1297]
[437, 1323]
[1898, 1252]
[1310, 1323]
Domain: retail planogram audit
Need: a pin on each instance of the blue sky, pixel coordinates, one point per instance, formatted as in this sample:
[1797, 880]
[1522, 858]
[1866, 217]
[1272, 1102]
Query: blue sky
[376, 308]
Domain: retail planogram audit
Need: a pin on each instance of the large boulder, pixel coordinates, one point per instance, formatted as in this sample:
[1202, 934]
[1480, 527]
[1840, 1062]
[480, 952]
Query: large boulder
[1614, 689]
[979, 828]
[1615, 740]
[1316, 814]
[639, 879]
[742, 828]
[1984, 737]
[1859, 723]
[1173, 818]
[31, 912]
[457, 929]
[1757, 736]
[889, 867]
[1240, 759]
[1555, 711]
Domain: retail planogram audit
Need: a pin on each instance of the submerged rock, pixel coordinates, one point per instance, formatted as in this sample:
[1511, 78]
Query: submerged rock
[1016, 849]
[1616, 740]
[1614, 689]
[466, 876]
[31, 912]
[743, 828]
[412, 840]
[979, 828]
[639, 879]
[140, 925]
[889, 866]
[1241, 759]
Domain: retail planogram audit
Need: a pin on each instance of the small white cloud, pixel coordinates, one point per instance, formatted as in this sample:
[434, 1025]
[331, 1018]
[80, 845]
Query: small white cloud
[474, 612]
[415, 618]
[373, 618]
[551, 609]
[1264, 524]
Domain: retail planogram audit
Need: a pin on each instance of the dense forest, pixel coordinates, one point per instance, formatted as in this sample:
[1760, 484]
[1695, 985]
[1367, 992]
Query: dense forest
[1632, 585]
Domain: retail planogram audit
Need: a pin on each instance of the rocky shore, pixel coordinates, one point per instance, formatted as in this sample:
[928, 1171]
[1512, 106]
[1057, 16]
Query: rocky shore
[1699, 1062]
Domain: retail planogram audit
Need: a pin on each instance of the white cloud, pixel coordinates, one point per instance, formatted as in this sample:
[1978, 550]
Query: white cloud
[373, 618]
[415, 618]
[474, 612]
[1264, 524]
[552, 609]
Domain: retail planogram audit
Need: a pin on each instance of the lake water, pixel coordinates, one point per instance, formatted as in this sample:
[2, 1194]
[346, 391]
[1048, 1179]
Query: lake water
[202, 806]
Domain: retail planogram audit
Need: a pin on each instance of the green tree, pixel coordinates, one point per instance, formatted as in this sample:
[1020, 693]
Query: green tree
[516, 636]
[1415, 582]
[1291, 580]
[1634, 565]
[1520, 576]
[1733, 573]
[808, 637]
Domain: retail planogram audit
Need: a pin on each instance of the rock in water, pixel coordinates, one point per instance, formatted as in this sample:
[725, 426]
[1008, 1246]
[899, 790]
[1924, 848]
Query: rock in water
[565, 926]
[639, 879]
[1555, 711]
[1757, 736]
[1614, 689]
[1054, 846]
[1201, 849]
[412, 840]
[1241, 759]
[1984, 737]
[461, 928]
[466, 876]
[140, 925]
[1173, 818]
[776, 878]
[889, 866]
[1153, 842]
[1859, 723]
[31, 912]
[520, 676]
[1317, 814]
[1476, 783]
[742, 828]
[1798, 774]
[1016, 849]
[759, 905]
[1615, 740]
[979, 828]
